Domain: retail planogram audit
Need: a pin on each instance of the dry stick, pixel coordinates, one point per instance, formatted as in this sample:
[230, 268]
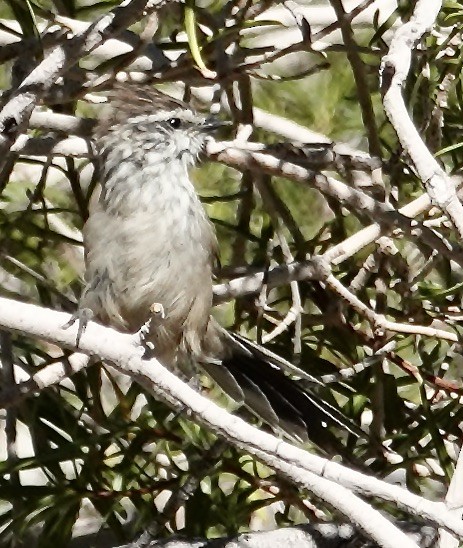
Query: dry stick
[350, 16]
[300, 14]
[351, 245]
[312, 269]
[62, 122]
[381, 321]
[296, 271]
[294, 314]
[16, 113]
[360, 280]
[76, 147]
[394, 70]
[243, 158]
[124, 352]
[46, 377]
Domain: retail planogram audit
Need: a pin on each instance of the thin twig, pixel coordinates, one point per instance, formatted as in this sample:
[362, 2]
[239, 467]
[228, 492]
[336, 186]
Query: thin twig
[381, 322]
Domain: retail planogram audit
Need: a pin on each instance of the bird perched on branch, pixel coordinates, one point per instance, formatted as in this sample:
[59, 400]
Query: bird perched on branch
[150, 251]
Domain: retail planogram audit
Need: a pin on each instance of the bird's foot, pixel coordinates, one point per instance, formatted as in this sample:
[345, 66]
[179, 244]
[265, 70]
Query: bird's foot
[143, 332]
[82, 316]
[157, 313]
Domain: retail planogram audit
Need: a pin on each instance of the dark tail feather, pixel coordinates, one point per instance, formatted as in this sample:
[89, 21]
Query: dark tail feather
[256, 377]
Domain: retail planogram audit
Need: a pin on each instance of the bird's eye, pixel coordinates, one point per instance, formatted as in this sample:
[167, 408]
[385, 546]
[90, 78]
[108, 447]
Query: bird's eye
[175, 122]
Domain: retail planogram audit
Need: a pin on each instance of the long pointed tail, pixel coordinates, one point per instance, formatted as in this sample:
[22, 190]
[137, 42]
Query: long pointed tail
[259, 379]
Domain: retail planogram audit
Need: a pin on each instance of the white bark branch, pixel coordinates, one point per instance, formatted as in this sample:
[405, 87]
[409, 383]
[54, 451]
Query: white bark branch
[46, 377]
[244, 157]
[380, 321]
[323, 535]
[395, 67]
[304, 468]
[454, 502]
[17, 111]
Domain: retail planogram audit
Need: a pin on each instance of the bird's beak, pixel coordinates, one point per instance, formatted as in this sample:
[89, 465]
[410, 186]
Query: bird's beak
[213, 124]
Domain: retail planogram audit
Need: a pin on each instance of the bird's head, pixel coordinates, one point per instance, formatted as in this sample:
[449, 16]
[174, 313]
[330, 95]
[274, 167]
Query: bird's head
[153, 126]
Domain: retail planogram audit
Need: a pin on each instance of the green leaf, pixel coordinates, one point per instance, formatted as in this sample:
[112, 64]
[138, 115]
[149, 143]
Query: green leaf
[192, 34]
[450, 148]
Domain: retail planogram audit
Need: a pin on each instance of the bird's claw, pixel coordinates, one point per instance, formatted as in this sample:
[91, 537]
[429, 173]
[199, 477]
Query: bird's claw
[157, 311]
[82, 316]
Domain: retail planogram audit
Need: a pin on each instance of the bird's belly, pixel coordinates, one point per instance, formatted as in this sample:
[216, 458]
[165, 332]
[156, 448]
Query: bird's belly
[163, 277]
[144, 261]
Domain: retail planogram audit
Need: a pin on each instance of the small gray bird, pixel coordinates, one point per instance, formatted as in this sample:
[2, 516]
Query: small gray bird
[150, 251]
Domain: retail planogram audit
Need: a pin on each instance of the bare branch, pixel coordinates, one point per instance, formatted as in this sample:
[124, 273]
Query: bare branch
[380, 321]
[242, 157]
[313, 269]
[395, 67]
[327, 479]
[46, 377]
[17, 111]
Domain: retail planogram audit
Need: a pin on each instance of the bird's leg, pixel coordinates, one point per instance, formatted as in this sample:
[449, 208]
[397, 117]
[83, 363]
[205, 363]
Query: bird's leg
[82, 316]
